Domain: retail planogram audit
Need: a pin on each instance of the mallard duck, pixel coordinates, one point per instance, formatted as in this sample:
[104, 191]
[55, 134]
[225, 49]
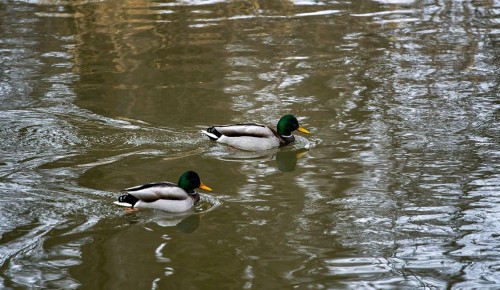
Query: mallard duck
[256, 137]
[166, 196]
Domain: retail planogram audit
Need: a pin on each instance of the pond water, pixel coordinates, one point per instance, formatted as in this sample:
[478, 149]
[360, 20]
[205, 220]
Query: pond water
[396, 187]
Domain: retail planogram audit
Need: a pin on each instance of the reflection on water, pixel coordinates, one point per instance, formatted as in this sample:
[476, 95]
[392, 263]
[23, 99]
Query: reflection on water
[286, 158]
[396, 187]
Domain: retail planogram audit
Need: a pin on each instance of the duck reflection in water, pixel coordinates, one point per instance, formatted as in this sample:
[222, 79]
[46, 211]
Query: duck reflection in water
[286, 159]
[185, 224]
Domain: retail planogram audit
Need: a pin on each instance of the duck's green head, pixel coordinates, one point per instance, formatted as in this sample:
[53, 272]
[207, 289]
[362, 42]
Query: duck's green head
[190, 180]
[287, 124]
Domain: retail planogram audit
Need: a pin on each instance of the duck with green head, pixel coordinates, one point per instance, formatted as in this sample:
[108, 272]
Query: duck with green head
[256, 137]
[165, 196]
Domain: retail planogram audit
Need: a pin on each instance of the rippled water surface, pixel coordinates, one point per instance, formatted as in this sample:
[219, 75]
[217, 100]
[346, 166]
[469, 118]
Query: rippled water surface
[397, 187]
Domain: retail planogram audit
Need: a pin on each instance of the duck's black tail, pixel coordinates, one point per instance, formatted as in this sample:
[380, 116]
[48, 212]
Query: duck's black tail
[128, 199]
[212, 133]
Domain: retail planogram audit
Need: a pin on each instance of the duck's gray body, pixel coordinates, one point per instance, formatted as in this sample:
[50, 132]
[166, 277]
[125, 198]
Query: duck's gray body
[251, 137]
[165, 196]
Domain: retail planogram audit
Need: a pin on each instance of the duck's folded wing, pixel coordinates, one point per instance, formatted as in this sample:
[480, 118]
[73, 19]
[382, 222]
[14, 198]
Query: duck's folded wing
[154, 191]
[250, 130]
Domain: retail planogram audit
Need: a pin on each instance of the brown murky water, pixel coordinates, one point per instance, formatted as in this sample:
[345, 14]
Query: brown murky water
[398, 187]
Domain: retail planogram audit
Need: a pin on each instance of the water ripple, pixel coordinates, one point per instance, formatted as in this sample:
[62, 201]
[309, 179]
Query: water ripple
[397, 190]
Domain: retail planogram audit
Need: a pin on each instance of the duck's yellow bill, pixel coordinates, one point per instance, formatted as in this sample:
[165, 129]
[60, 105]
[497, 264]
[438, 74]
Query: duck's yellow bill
[303, 130]
[300, 154]
[203, 186]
